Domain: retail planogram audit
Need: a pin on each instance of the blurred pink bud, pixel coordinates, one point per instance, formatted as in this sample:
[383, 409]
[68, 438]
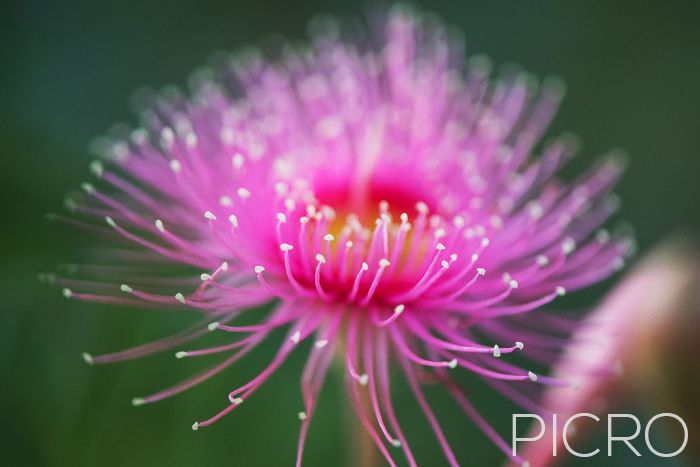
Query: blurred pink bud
[641, 341]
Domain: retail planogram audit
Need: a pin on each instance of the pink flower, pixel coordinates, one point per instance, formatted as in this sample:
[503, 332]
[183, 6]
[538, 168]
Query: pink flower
[380, 195]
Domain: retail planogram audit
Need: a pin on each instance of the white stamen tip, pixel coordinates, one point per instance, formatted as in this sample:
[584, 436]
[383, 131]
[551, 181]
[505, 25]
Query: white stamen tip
[87, 358]
[237, 160]
[213, 326]
[295, 337]
[568, 246]
[88, 188]
[319, 344]
[281, 218]
[496, 351]
[97, 168]
[513, 284]
[233, 220]
[286, 247]
[226, 201]
[137, 401]
[181, 354]
[47, 277]
[363, 379]
[348, 244]
[384, 263]
[180, 298]
[481, 271]
[302, 416]
[328, 237]
[68, 293]
[452, 363]
[365, 266]
[236, 401]
[399, 309]
[444, 264]
[485, 242]
[160, 226]
[70, 204]
[205, 277]
[536, 211]
[243, 193]
[602, 236]
[542, 260]
[224, 266]
[167, 135]
[175, 165]
[320, 258]
[195, 426]
[110, 222]
[396, 443]
[561, 291]
[519, 345]
[209, 215]
[421, 207]
[125, 288]
[618, 264]
[532, 376]
[259, 269]
[439, 247]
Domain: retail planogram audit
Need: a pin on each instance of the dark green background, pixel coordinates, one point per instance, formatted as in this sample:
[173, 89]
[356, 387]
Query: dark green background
[68, 68]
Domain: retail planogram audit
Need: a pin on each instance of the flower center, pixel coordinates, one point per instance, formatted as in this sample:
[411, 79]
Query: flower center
[390, 197]
[376, 247]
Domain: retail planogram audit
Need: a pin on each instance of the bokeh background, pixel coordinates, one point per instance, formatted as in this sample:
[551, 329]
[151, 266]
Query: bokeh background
[67, 72]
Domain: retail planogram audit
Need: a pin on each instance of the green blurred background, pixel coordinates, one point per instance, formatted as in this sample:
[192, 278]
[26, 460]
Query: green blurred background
[68, 70]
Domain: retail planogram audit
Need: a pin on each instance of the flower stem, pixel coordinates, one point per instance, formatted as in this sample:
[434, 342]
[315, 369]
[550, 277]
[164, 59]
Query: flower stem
[362, 451]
